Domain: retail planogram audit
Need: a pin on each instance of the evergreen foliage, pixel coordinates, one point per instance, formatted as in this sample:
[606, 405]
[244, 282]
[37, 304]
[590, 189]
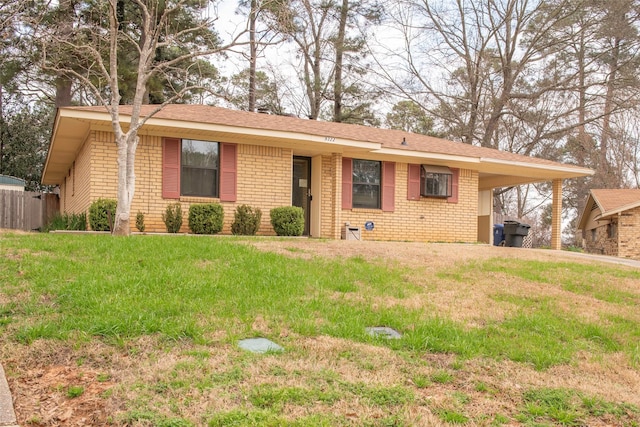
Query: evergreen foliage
[287, 220]
[101, 214]
[246, 220]
[206, 218]
[172, 217]
[66, 221]
[140, 222]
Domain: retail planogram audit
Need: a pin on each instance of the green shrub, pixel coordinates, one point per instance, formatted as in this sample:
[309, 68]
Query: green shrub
[140, 222]
[67, 222]
[102, 213]
[287, 220]
[246, 220]
[172, 217]
[206, 218]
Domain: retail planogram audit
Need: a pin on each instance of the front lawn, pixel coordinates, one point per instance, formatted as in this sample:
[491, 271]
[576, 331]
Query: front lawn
[144, 331]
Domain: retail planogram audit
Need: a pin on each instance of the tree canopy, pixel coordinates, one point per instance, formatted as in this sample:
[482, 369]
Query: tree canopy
[554, 79]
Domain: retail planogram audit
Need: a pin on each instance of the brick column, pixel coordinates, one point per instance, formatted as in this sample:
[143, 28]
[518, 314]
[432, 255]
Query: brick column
[556, 215]
[336, 188]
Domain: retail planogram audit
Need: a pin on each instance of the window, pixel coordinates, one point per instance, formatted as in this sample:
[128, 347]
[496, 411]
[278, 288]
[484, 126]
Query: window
[612, 230]
[199, 168]
[436, 181]
[366, 184]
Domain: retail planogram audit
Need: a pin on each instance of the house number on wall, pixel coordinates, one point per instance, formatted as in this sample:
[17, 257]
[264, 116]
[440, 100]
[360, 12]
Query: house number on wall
[329, 139]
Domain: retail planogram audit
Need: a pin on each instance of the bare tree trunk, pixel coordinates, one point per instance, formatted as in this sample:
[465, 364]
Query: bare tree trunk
[126, 183]
[339, 44]
[253, 54]
[64, 83]
[605, 173]
[63, 91]
[1, 131]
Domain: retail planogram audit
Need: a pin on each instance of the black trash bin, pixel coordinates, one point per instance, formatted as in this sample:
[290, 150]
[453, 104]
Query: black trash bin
[514, 233]
[498, 234]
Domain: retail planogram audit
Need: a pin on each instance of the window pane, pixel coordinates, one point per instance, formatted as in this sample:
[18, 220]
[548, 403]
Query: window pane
[202, 154]
[199, 172]
[199, 182]
[366, 184]
[366, 196]
[437, 184]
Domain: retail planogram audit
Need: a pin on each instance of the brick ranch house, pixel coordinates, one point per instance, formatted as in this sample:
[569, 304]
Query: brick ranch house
[610, 223]
[409, 187]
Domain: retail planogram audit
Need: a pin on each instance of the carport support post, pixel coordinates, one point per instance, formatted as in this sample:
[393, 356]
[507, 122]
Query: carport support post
[556, 215]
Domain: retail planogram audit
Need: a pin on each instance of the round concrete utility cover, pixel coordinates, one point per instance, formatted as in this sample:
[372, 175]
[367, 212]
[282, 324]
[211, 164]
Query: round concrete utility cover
[259, 345]
[384, 332]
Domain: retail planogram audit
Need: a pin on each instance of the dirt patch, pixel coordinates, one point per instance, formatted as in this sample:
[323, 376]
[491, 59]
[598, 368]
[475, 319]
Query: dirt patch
[432, 256]
[114, 382]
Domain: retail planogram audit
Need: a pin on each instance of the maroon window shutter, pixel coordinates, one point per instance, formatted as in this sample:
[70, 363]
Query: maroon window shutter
[228, 172]
[413, 182]
[388, 186]
[171, 168]
[454, 186]
[347, 183]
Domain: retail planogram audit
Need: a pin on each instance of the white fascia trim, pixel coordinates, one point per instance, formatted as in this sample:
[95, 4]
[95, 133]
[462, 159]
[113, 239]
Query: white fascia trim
[427, 155]
[620, 210]
[573, 171]
[56, 125]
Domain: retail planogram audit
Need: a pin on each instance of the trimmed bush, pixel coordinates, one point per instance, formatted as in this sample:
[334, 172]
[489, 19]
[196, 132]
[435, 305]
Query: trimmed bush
[206, 218]
[287, 220]
[140, 222]
[246, 220]
[172, 217]
[67, 222]
[102, 213]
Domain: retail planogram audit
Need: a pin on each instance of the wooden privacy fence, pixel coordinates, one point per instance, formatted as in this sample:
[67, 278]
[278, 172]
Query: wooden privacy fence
[26, 210]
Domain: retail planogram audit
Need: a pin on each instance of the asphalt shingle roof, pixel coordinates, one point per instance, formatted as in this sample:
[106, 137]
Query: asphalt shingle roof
[613, 200]
[388, 138]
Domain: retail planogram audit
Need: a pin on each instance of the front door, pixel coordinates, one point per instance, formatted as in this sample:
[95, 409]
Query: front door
[301, 188]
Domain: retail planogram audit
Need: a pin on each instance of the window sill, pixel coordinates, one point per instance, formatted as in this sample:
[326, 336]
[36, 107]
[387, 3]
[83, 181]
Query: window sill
[366, 210]
[194, 199]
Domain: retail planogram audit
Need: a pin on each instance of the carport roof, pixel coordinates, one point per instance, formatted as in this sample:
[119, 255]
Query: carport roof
[306, 137]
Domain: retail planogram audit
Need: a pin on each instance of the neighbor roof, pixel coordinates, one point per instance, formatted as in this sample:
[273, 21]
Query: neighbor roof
[614, 201]
[497, 168]
[609, 202]
[11, 180]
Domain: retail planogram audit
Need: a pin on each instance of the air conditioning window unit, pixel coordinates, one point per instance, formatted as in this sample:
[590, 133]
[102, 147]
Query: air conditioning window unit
[436, 181]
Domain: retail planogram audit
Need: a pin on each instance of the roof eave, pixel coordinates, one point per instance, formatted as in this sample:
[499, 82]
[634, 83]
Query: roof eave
[56, 124]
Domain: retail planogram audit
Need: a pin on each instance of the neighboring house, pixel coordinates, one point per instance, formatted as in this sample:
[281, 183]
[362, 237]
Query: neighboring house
[11, 183]
[404, 186]
[610, 223]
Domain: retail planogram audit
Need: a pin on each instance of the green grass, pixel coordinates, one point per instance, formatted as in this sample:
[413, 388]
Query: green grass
[210, 292]
[452, 417]
[183, 288]
[570, 408]
[75, 391]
